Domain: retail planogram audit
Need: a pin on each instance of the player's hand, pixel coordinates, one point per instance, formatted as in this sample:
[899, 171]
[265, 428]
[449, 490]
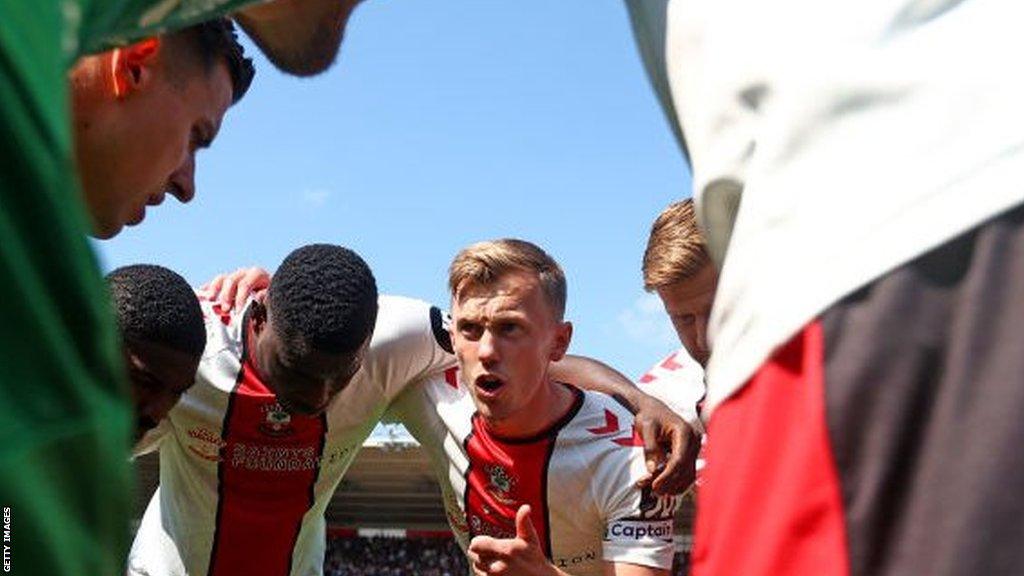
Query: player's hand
[522, 555]
[673, 471]
[233, 289]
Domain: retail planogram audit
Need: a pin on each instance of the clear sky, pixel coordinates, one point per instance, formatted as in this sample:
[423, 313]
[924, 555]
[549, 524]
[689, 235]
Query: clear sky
[444, 123]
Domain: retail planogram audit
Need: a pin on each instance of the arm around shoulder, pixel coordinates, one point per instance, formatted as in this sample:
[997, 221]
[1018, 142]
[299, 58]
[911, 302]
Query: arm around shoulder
[659, 426]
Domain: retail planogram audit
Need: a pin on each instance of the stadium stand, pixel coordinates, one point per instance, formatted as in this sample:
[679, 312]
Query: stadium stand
[394, 556]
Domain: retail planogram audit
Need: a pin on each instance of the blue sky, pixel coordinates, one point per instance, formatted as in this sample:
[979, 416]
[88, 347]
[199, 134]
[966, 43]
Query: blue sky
[445, 123]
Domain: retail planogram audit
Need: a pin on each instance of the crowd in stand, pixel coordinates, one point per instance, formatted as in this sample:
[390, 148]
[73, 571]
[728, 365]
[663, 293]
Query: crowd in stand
[383, 556]
[386, 556]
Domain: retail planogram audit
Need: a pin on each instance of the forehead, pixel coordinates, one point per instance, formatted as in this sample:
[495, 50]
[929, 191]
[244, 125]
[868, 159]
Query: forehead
[306, 361]
[692, 294]
[215, 86]
[309, 362]
[510, 293]
[163, 361]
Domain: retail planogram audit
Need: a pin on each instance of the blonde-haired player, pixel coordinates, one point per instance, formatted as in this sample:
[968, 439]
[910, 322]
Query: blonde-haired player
[539, 476]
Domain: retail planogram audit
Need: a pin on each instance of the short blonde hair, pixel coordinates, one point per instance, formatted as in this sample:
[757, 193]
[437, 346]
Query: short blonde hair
[675, 249]
[485, 262]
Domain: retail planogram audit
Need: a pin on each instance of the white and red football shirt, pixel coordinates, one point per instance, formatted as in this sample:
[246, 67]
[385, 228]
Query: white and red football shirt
[243, 483]
[678, 381]
[579, 477]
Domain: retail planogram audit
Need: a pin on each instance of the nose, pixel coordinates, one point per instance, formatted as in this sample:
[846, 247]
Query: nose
[487, 349]
[183, 180]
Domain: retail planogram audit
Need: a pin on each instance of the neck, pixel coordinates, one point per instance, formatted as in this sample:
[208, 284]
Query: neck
[543, 411]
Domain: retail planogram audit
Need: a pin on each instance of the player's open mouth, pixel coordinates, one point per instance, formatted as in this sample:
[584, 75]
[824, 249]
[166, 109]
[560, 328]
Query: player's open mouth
[488, 383]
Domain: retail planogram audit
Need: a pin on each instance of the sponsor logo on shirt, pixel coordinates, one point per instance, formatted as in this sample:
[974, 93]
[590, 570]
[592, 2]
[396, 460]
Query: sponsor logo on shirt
[207, 445]
[636, 530]
[337, 455]
[483, 527]
[273, 458]
[576, 559]
[263, 457]
[657, 507]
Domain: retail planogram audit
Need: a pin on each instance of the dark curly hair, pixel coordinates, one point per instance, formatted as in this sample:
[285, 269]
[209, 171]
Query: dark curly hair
[324, 298]
[157, 305]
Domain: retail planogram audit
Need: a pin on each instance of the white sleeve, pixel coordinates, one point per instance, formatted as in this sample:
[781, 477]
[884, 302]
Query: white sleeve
[152, 439]
[410, 408]
[638, 523]
[410, 341]
[678, 381]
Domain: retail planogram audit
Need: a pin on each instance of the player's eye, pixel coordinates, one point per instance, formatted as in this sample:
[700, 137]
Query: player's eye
[508, 329]
[470, 331]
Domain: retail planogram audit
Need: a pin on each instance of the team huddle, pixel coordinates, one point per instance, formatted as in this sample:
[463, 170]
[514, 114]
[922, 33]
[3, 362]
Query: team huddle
[545, 475]
[848, 275]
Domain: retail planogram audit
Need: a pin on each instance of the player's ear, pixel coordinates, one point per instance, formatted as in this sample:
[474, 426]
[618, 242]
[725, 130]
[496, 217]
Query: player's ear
[258, 315]
[563, 336]
[131, 67]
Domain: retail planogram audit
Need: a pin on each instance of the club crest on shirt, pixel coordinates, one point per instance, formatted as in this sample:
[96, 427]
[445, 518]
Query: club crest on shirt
[501, 484]
[277, 422]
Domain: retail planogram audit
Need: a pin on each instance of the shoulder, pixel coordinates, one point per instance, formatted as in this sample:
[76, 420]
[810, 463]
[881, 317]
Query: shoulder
[400, 317]
[602, 440]
[676, 367]
[602, 426]
[598, 407]
[398, 309]
[678, 381]
[409, 340]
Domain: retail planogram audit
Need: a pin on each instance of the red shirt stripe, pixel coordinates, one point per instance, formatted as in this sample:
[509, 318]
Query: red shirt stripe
[268, 467]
